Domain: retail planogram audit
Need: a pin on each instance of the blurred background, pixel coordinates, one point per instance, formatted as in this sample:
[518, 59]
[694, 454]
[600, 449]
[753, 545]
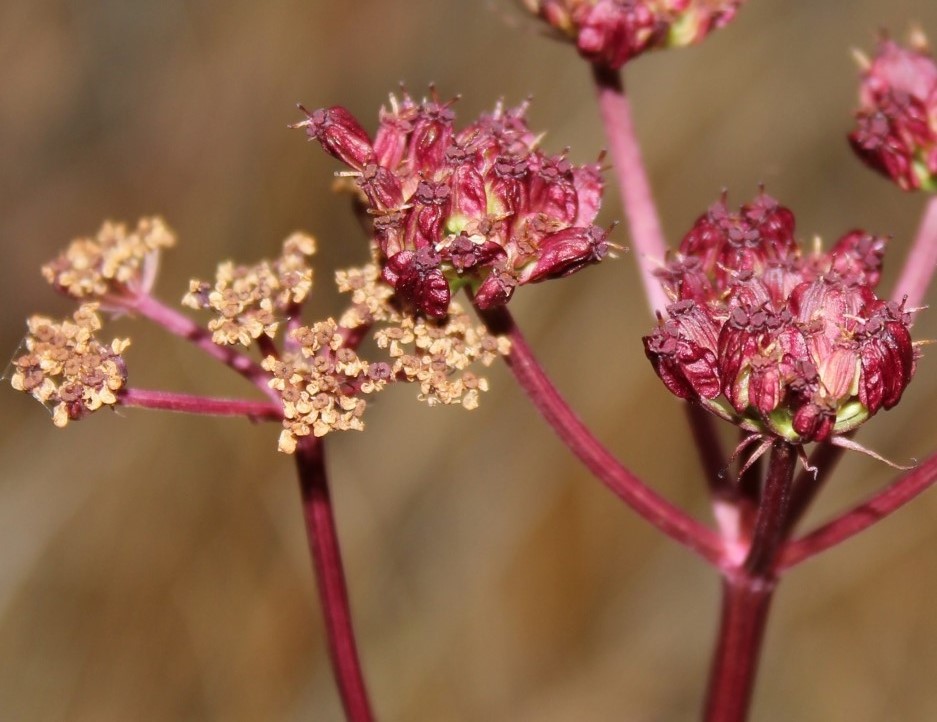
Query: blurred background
[154, 567]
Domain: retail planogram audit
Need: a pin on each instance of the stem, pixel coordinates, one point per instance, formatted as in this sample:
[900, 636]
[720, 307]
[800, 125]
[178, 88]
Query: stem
[181, 325]
[745, 605]
[666, 517]
[636, 197]
[187, 403]
[921, 262]
[864, 515]
[746, 598]
[330, 579]
[772, 512]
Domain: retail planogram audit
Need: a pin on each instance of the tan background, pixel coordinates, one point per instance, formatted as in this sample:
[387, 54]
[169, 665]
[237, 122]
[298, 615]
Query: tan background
[154, 567]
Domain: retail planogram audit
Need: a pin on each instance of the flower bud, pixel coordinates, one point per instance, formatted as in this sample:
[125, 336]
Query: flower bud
[418, 281]
[682, 350]
[339, 134]
[896, 124]
[565, 252]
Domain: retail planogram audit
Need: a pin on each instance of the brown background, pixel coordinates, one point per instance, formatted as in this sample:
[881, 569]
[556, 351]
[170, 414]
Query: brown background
[153, 567]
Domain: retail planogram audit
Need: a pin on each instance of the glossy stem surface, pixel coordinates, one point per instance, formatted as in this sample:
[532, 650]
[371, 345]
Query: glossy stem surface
[921, 263]
[637, 199]
[330, 579]
[181, 325]
[211, 406]
[864, 515]
[746, 597]
[669, 519]
[746, 602]
[770, 523]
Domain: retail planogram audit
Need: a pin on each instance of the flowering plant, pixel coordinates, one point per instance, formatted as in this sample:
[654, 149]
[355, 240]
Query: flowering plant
[793, 345]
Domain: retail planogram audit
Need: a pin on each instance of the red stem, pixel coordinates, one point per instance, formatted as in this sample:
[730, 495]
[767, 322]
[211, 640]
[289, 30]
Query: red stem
[666, 517]
[862, 516]
[745, 606]
[746, 598]
[181, 325]
[921, 262]
[772, 511]
[187, 403]
[647, 235]
[330, 579]
[636, 197]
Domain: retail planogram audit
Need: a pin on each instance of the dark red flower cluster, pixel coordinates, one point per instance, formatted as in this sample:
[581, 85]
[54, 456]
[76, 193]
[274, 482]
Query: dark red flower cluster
[796, 343]
[482, 206]
[896, 131]
[612, 32]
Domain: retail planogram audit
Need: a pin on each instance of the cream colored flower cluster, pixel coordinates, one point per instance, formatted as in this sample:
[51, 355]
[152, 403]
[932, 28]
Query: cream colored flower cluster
[252, 300]
[319, 384]
[66, 368]
[115, 263]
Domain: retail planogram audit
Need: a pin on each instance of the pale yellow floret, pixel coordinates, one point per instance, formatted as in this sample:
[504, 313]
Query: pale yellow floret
[116, 262]
[67, 368]
[251, 301]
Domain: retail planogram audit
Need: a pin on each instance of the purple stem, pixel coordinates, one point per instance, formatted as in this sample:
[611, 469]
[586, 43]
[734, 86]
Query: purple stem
[647, 234]
[862, 516]
[921, 262]
[181, 325]
[772, 511]
[745, 605]
[330, 579]
[636, 197]
[187, 403]
[746, 598]
[666, 517]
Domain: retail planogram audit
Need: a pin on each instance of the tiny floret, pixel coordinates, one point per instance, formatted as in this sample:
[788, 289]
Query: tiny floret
[323, 381]
[320, 384]
[116, 265]
[67, 369]
[437, 354]
[776, 340]
[251, 300]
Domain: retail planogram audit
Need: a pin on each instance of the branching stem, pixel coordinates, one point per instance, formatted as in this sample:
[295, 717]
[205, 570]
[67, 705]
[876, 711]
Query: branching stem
[330, 579]
[669, 519]
[187, 403]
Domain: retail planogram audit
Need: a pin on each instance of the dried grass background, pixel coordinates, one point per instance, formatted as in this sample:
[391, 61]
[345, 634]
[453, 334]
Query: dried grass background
[154, 567]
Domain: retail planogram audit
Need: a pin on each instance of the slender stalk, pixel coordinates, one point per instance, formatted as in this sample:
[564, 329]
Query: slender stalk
[649, 505]
[647, 236]
[772, 512]
[330, 579]
[745, 606]
[637, 199]
[921, 263]
[862, 516]
[187, 403]
[181, 325]
[746, 598]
